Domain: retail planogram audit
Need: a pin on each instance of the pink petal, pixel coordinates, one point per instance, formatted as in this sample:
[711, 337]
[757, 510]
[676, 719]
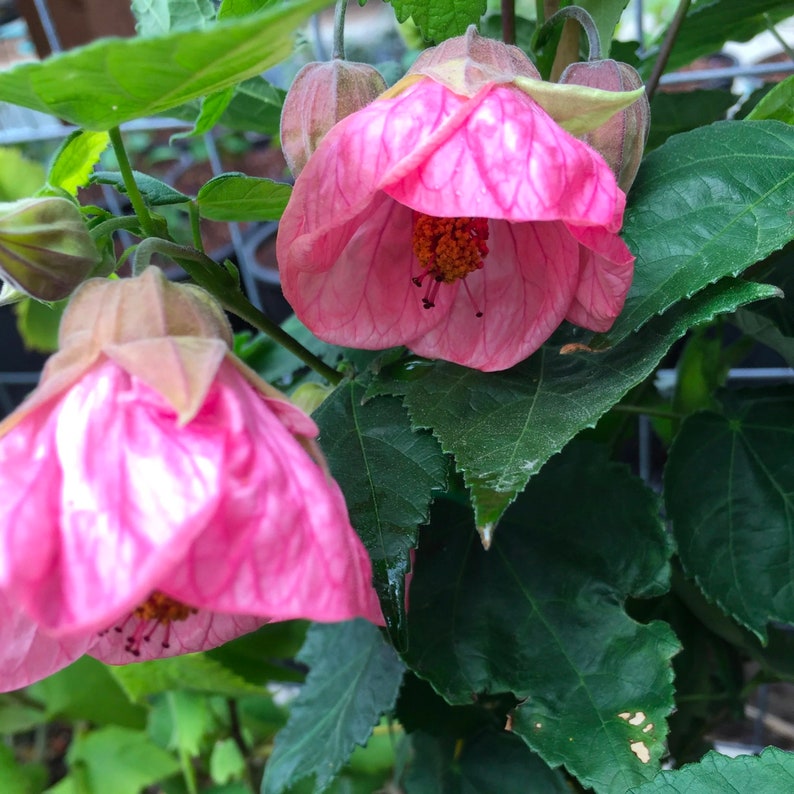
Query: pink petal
[27, 654]
[364, 297]
[199, 632]
[126, 496]
[280, 545]
[508, 160]
[524, 290]
[607, 267]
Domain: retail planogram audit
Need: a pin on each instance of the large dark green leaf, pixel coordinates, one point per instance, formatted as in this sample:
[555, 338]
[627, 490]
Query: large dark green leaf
[353, 680]
[387, 472]
[729, 490]
[540, 615]
[706, 204]
[708, 25]
[502, 427]
[771, 773]
[680, 112]
[440, 19]
[114, 80]
[487, 763]
[772, 321]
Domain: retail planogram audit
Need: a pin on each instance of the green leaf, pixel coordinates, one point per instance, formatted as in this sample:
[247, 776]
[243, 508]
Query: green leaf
[194, 671]
[212, 108]
[86, 690]
[114, 80]
[772, 772]
[706, 204]
[119, 760]
[237, 197]
[16, 778]
[772, 322]
[502, 427]
[226, 761]
[180, 720]
[156, 17]
[353, 680]
[74, 161]
[19, 176]
[733, 521]
[440, 19]
[241, 8]
[685, 111]
[38, 323]
[155, 193]
[540, 615]
[777, 104]
[708, 25]
[489, 762]
[264, 655]
[387, 472]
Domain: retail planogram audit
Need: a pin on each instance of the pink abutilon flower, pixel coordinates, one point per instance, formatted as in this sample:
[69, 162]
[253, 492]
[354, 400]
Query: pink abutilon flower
[157, 498]
[456, 216]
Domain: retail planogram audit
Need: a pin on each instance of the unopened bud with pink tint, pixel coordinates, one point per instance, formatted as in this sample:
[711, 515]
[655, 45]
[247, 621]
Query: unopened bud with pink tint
[321, 95]
[621, 139]
[46, 250]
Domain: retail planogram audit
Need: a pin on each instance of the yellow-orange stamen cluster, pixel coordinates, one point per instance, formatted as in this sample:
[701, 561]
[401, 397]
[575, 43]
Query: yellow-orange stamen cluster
[158, 610]
[450, 248]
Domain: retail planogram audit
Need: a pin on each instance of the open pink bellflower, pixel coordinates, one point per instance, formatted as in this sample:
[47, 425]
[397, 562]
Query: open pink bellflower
[157, 498]
[458, 214]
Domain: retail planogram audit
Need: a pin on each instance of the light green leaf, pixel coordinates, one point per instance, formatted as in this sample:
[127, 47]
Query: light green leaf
[772, 772]
[734, 521]
[86, 690]
[502, 427]
[237, 197]
[180, 720]
[74, 161]
[226, 761]
[19, 779]
[156, 17]
[114, 80]
[212, 108]
[353, 680]
[20, 177]
[193, 671]
[38, 323]
[241, 8]
[440, 19]
[155, 193]
[387, 472]
[118, 760]
[777, 104]
[540, 615]
[706, 204]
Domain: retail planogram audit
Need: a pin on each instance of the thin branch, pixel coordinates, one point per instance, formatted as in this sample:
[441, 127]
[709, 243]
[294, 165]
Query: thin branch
[667, 47]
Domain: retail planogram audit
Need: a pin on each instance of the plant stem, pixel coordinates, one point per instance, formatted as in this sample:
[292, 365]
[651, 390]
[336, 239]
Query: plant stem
[220, 283]
[667, 47]
[339, 29]
[135, 197]
[185, 762]
[509, 21]
[125, 222]
[195, 226]
[237, 735]
[780, 40]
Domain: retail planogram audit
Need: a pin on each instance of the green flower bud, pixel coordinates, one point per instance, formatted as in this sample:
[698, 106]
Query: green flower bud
[621, 139]
[45, 248]
[321, 95]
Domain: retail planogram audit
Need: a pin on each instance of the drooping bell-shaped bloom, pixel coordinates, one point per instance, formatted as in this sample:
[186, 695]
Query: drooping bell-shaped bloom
[156, 497]
[458, 215]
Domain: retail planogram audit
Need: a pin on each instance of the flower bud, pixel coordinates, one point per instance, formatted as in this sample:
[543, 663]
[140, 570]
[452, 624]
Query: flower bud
[321, 95]
[45, 248]
[620, 140]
